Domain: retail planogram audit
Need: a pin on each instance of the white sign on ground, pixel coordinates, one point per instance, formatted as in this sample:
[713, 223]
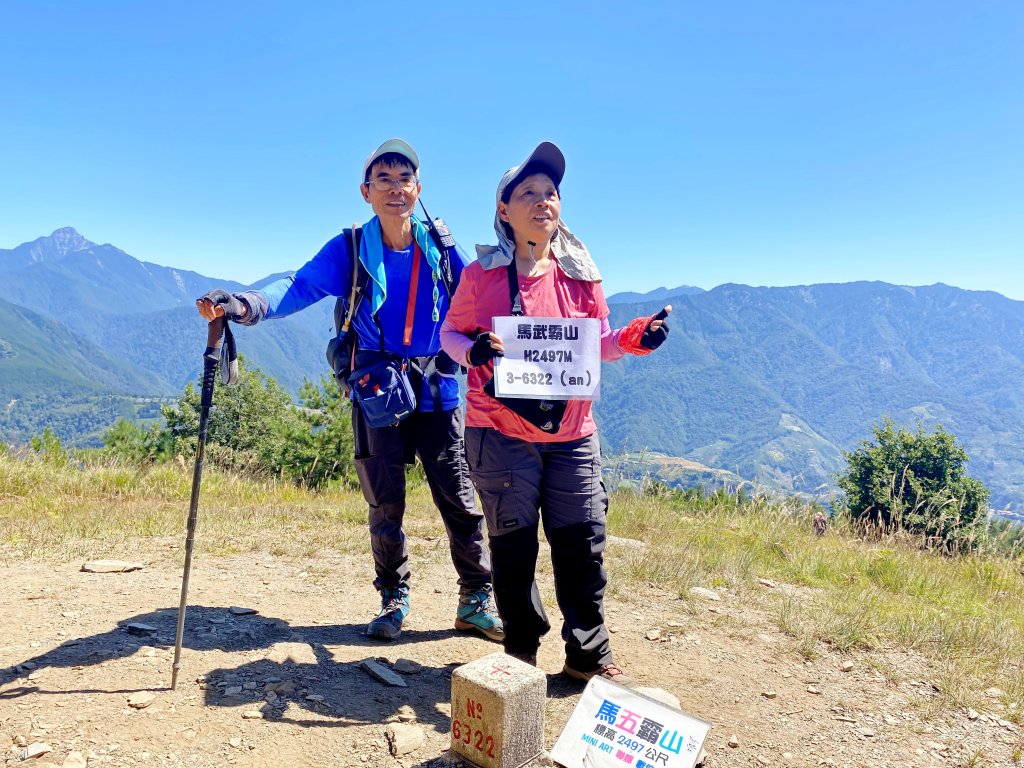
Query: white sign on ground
[614, 727]
[548, 357]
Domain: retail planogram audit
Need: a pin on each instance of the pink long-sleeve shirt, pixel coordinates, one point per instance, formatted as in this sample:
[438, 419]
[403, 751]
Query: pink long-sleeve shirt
[482, 295]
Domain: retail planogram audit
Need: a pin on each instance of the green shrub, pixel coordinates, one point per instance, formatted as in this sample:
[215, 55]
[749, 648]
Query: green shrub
[317, 449]
[128, 440]
[915, 481]
[253, 428]
[50, 449]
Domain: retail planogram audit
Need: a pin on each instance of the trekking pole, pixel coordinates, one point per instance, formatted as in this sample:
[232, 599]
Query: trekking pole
[218, 327]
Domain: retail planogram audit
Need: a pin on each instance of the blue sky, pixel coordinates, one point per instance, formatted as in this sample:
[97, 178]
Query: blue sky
[764, 143]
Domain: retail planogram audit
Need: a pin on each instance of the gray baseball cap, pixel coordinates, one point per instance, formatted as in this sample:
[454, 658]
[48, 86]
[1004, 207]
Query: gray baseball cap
[398, 146]
[546, 154]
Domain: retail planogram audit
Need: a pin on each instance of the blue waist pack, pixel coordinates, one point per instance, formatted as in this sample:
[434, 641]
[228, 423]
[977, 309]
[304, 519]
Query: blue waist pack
[384, 391]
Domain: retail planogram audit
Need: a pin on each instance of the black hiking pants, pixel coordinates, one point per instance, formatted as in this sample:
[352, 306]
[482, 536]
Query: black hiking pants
[522, 485]
[381, 456]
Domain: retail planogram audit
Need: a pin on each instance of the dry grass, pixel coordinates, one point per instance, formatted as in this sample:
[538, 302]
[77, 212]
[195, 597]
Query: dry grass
[53, 512]
[965, 614]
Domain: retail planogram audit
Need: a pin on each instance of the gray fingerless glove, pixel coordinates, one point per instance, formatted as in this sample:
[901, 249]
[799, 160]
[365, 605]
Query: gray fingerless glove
[251, 304]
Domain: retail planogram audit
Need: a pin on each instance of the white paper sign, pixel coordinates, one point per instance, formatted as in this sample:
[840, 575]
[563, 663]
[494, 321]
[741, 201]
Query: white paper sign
[554, 358]
[615, 727]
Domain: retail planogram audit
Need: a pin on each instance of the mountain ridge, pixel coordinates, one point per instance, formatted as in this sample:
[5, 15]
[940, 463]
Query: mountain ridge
[770, 383]
[836, 357]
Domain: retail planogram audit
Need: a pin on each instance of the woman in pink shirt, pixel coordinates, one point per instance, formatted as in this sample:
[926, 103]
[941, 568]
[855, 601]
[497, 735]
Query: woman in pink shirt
[539, 461]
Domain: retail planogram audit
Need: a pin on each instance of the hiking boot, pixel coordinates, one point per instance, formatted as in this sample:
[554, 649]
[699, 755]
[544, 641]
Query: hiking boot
[476, 614]
[394, 607]
[607, 671]
[526, 658]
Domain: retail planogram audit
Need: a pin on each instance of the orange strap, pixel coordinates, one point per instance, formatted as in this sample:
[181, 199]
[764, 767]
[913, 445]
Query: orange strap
[414, 282]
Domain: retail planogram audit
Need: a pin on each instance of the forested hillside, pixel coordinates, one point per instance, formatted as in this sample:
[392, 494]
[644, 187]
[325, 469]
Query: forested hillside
[49, 377]
[144, 313]
[767, 384]
[773, 383]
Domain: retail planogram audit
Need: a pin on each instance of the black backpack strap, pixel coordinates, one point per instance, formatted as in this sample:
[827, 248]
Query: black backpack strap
[433, 381]
[380, 332]
[361, 280]
[358, 278]
[345, 307]
[444, 267]
[513, 289]
[517, 311]
[346, 341]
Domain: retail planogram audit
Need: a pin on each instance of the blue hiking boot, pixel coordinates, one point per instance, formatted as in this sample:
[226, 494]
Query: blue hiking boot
[476, 614]
[394, 607]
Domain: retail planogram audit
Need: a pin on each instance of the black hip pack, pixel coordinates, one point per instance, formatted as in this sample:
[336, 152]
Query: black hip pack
[383, 389]
[546, 415]
[378, 381]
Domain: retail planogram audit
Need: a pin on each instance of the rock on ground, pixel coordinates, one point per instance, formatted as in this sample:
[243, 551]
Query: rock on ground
[403, 738]
[111, 566]
[383, 674]
[34, 750]
[706, 594]
[141, 700]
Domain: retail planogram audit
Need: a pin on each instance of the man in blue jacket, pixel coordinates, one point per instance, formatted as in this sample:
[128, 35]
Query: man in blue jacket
[405, 305]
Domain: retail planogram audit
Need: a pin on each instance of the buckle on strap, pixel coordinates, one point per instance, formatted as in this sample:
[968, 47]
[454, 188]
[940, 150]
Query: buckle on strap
[426, 367]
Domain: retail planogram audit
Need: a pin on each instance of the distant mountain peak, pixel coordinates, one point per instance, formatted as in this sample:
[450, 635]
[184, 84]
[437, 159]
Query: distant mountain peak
[632, 297]
[67, 240]
[43, 250]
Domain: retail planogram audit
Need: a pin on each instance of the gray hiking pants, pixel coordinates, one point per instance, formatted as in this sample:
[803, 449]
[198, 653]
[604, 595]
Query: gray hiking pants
[521, 485]
[380, 458]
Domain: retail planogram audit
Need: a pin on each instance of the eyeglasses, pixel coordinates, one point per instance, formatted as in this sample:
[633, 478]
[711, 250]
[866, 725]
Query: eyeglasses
[387, 183]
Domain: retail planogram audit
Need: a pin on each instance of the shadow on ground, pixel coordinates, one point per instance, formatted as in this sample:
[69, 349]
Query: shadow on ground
[315, 672]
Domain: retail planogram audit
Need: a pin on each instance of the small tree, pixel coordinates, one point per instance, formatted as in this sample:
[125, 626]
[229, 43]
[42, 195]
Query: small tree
[50, 448]
[255, 428]
[128, 440]
[915, 481]
[247, 422]
[317, 448]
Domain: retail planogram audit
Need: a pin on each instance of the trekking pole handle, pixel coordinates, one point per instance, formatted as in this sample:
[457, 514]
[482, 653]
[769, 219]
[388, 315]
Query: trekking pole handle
[214, 336]
[211, 357]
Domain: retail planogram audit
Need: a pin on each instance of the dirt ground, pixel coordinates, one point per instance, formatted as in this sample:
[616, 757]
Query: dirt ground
[70, 666]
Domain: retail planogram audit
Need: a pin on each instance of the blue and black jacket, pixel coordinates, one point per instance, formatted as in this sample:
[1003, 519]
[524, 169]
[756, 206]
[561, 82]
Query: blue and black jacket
[329, 273]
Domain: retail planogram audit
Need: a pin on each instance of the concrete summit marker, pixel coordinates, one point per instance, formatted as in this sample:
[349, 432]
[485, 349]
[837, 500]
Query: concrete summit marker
[498, 712]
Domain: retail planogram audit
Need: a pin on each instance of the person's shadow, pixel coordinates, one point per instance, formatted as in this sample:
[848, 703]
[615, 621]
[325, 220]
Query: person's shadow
[311, 668]
[310, 676]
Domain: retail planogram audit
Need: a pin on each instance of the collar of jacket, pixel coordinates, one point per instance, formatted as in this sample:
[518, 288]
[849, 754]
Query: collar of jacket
[572, 255]
[371, 254]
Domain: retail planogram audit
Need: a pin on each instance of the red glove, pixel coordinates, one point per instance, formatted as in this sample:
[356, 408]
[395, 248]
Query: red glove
[637, 338]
